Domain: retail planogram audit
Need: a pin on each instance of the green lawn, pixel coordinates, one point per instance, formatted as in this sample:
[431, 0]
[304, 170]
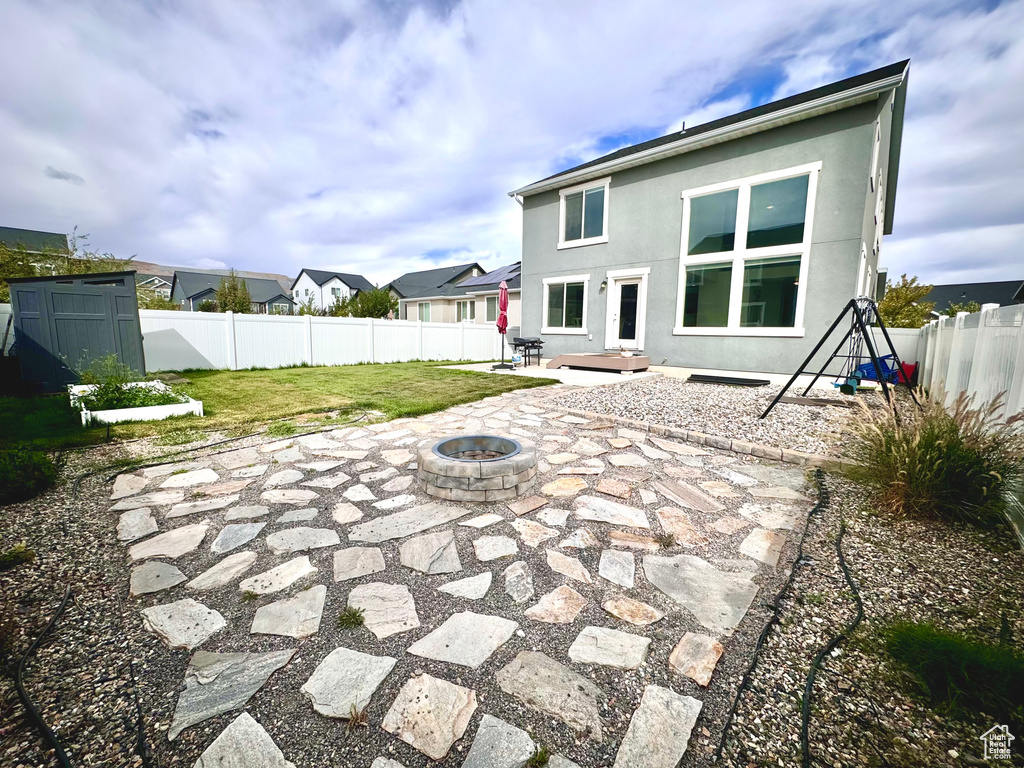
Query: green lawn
[240, 400]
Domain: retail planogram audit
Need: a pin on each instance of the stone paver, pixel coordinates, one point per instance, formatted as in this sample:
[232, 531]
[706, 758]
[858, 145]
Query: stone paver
[564, 486]
[556, 517]
[430, 714]
[224, 572]
[183, 624]
[301, 539]
[345, 680]
[601, 510]
[243, 736]
[518, 582]
[659, 730]
[127, 485]
[431, 553]
[560, 606]
[246, 512]
[388, 609]
[695, 656]
[533, 533]
[154, 576]
[498, 744]
[632, 611]
[297, 616]
[154, 499]
[568, 566]
[222, 682]
[298, 515]
[581, 538]
[540, 682]
[489, 548]
[353, 562]
[764, 546]
[526, 505]
[687, 496]
[289, 496]
[135, 524]
[188, 479]
[465, 638]
[471, 588]
[618, 567]
[345, 513]
[206, 505]
[609, 648]
[407, 522]
[782, 516]
[279, 577]
[777, 492]
[235, 535]
[717, 599]
[482, 521]
[678, 523]
[172, 544]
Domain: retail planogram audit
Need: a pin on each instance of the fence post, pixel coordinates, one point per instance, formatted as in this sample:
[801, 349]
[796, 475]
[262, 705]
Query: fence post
[369, 340]
[462, 342]
[419, 339]
[307, 321]
[975, 385]
[229, 320]
[1015, 397]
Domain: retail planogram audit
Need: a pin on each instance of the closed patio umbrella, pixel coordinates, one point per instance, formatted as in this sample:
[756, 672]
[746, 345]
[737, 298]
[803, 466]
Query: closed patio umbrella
[503, 325]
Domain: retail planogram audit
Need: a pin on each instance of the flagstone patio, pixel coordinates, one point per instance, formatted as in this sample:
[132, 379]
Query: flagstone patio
[566, 618]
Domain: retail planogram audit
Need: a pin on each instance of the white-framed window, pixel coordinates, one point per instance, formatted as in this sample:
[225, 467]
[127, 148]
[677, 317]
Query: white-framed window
[492, 309]
[336, 292]
[465, 311]
[583, 214]
[423, 308]
[565, 304]
[744, 255]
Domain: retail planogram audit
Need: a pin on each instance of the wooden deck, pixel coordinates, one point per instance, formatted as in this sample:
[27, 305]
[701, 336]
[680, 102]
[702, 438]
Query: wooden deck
[602, 362]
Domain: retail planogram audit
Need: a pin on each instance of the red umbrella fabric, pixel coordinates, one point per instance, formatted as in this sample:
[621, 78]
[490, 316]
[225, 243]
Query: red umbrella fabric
[503, 308]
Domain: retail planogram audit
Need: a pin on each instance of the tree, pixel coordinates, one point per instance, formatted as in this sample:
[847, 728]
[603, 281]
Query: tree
[150, 299]
[902, 305]
[375, 303]
[970, 306]
[341, 307]
[233, 295]
[207, 305]
[308, 307]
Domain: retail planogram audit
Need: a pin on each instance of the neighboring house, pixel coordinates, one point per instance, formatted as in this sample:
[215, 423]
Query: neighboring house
[473, 300]
[154, 277]
[33, 241]
[729, 245]
[269, 295]
[1002, 293]
[325, 288]
[417, 292]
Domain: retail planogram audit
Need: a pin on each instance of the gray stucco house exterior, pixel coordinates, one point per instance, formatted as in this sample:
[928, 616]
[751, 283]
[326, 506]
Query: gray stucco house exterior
[727, 246]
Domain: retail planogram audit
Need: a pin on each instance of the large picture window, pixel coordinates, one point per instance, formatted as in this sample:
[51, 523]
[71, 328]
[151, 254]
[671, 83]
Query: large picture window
[583, 214]
[492, 309]
[565, 304]
[744, 255]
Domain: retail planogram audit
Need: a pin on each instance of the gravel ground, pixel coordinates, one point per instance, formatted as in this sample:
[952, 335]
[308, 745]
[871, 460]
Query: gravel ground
[719, 410]
[864, 711]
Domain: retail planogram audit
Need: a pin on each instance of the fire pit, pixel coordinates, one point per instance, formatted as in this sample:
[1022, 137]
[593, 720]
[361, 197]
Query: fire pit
[477, 468]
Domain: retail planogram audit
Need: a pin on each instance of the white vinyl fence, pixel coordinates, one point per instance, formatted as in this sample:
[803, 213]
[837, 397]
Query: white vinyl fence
[180, 340]
[981, 353]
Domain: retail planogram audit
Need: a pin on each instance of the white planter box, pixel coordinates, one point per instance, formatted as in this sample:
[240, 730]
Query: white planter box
[147, 413]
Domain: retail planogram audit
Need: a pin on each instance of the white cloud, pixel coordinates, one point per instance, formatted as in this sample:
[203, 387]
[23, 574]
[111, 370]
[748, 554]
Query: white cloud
[360, 137]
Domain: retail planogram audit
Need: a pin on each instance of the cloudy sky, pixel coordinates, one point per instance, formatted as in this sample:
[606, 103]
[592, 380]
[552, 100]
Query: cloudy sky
[382, 137]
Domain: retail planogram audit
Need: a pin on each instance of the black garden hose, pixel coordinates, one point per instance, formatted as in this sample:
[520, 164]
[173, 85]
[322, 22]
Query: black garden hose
[33, 712]
[775, 606]
[805, 713]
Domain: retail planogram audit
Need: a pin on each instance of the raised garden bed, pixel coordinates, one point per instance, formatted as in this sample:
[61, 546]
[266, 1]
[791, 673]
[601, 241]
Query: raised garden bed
[184, 405]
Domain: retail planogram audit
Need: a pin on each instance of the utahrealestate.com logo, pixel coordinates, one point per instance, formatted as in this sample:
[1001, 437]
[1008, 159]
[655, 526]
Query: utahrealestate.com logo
[997, 742]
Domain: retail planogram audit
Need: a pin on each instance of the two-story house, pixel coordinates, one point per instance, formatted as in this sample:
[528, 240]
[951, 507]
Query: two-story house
[427, 295]
[323, 288]
[731, 245]
[269, 293]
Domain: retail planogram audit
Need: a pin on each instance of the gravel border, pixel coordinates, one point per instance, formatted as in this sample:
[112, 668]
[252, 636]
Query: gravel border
[864, 711]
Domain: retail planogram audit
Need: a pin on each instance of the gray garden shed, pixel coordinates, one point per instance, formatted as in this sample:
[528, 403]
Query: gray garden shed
[64, 322]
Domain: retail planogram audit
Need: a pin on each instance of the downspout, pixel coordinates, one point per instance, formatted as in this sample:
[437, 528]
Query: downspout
[517, 198]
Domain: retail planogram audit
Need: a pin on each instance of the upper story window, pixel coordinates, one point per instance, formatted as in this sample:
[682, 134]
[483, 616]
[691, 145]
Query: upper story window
[583, 214]
[336, 292]
[744, 254]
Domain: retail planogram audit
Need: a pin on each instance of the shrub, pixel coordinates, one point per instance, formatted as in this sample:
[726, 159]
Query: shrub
[956, 464]
[24, 475]
[112, 380]
[958, 673]
[17, 555]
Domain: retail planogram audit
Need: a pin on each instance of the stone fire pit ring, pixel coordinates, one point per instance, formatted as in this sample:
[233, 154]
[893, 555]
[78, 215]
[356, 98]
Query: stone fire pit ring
[477, 468]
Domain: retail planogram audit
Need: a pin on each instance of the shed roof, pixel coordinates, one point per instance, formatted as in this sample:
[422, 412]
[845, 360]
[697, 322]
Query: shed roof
[33, 240]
